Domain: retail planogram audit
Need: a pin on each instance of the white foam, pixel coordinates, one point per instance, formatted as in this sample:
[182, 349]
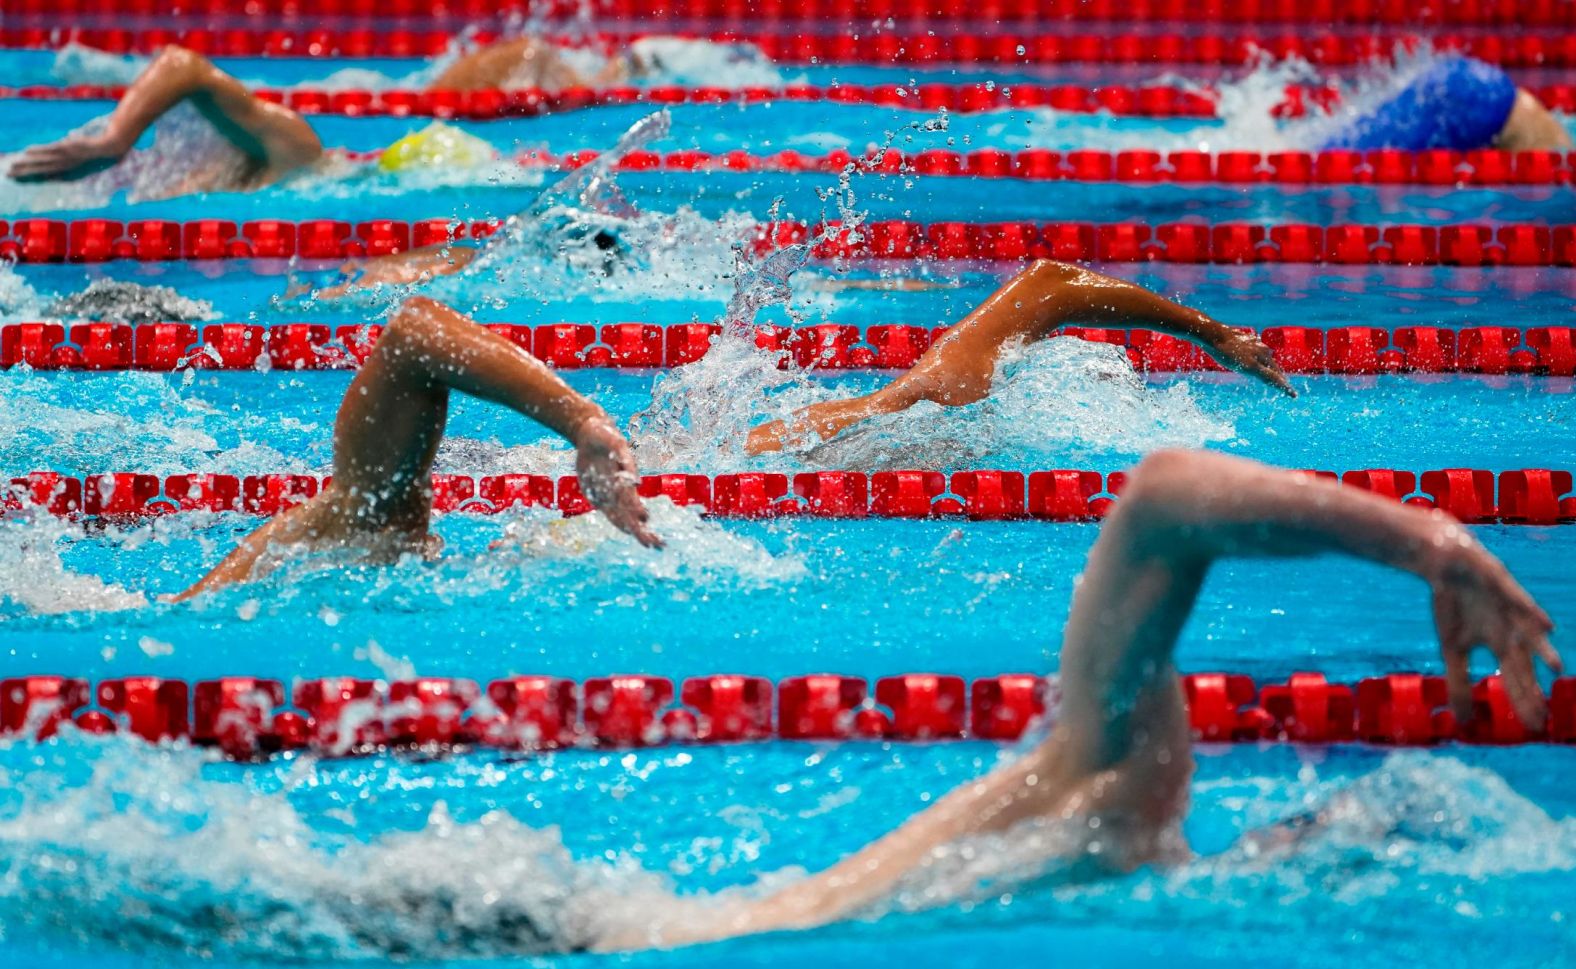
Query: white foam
[34, 580]
[1245, 119]
[1060, 399]
[19, 301]
[698, 550]
[132, 421]
[148, 851]
[77, 64]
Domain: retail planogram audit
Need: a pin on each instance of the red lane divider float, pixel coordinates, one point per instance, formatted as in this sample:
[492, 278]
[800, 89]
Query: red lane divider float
[154, 240]
[896, 46]
[1157, 101]
[1452, 13]
[1235, 168]
[247, 717]
[1527, 496]
[1348, 350]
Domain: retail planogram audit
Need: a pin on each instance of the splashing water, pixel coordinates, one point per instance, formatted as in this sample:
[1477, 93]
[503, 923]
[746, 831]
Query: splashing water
[591, 187]
[697, 549]
[1245, 116]
[134, 303]
[1060, 399]
[114, 843]
[18, 299]
[87, 424]
[79, 64]
[183, 863]
[582, 237]
[35, 581]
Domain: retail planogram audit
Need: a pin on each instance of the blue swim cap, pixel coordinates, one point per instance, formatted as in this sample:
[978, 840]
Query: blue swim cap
[1457, 103]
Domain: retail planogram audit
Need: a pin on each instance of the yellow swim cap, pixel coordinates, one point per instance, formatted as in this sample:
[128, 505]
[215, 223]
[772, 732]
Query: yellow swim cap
[436, 146]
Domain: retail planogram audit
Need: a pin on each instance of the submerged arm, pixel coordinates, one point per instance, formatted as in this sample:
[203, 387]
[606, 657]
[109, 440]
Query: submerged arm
[520, 61]
[273, 135]
[1120, 750]
[399, 269]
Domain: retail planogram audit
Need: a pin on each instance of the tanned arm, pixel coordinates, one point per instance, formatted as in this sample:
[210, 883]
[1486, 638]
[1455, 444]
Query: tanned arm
[389, 427]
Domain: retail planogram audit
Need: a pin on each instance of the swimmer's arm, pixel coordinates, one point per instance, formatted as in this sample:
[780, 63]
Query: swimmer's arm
[1068, 295]
[1121, 746]
[238, 565]
[402, 268]
[391, 420]
[271, 134]
[1183, 511]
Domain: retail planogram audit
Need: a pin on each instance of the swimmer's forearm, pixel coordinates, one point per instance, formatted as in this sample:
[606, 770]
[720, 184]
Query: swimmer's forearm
[1207, 506]
[454, 350]
[1180, 512]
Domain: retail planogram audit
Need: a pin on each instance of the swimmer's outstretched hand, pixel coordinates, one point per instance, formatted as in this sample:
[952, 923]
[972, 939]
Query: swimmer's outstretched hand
[73, 155]
[606, 467]
[1247, 354]
[1478, 603]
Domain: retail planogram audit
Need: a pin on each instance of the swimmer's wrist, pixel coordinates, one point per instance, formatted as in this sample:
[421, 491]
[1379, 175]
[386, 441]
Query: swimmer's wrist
[587, 421]
[112, 142]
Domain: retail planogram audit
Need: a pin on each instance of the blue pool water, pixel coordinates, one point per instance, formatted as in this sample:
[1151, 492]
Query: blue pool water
[115, 854]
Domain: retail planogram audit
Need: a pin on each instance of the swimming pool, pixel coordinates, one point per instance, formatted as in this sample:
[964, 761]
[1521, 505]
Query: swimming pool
[121, 854]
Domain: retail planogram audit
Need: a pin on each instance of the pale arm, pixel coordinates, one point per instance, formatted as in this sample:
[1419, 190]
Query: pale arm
[275, 137]
[1120, 749]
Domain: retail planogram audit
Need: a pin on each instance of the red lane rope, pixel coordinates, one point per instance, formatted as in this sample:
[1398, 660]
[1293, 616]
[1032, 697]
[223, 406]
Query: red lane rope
[1034, 13]
[1140, 166]
[1542, 48]
[1529, 496]
[1157, 101]
[167, 347]
[1470, 244]
[246, 717]
[491, 104]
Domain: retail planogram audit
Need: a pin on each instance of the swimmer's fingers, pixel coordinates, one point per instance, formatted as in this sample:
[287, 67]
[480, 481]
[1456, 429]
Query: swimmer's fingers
[1521, 682]
[1258, 360]
[1245, 353]
[616, 497]
[60, 158]
[1458, 682]
[1550, 658]
[629, 515]
[1455, 646]
[1480, 604]
[606, 467]
[40, 162]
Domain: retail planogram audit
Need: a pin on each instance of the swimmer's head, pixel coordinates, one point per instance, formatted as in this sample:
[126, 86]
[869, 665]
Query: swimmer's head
[437, 146]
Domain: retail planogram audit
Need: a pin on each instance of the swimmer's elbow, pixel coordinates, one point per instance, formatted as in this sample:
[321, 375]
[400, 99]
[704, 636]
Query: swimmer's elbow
[1160, 488]
[1161, 474]
[1052, 269]
[415, 308]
